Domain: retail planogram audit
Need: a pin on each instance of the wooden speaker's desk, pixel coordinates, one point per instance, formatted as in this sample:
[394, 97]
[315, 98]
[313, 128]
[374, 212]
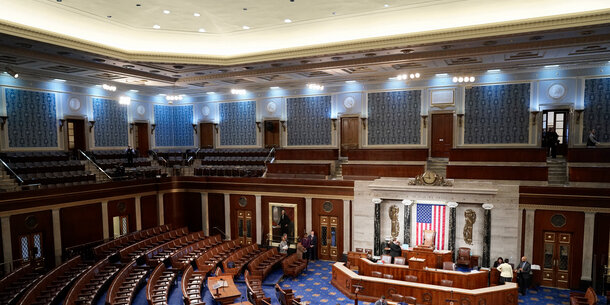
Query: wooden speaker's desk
[434, 259]
[466, 280]
[352, 257]
[345, 279]
[226, 294]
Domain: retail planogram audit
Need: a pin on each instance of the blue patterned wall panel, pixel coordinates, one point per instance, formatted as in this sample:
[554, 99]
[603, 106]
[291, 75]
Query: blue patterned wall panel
[111, 127]
[174, 125]
[597, 109]
[238, 123]
[32, 118]
[309, 121]
[394, 117]
[497, 114]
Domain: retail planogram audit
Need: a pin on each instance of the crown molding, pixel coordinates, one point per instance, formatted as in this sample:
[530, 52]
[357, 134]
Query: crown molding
[488, 30]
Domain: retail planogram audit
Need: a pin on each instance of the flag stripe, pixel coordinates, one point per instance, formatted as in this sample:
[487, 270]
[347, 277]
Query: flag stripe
[431, 217]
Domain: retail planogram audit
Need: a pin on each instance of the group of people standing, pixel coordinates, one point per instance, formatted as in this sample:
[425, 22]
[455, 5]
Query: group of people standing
[306, 247]
[524, 270]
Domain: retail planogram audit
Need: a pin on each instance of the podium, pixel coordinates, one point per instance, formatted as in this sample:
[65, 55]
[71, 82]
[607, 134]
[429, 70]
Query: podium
[417, 263]
[434, 259]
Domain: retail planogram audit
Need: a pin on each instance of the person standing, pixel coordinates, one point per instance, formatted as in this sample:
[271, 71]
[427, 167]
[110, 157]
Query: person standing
[592, 139]
[284, 245]
[381, 301]
[506, 272]
[395, 249]
[313, 242]
[523, 275]
[552, 139]
[130, 152]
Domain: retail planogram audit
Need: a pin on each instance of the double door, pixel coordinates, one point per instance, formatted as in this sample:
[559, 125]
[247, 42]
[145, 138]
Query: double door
[244, 227]
[556, 264]
[328, 237]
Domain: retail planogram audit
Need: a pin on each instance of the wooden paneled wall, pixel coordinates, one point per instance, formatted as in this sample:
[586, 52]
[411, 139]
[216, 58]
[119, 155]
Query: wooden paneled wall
[300, 202]
[498, 155]
[216, 212]
[337, 211]
[149, 211]
[183, 209]
[299, 169]
[600, 249]
[589, 174]
[529, 173]
[250, 206]
[307, 154]
[388, 154]
[23, 224]
[594, 155]
[81, 224]
[382, 170]
[123, 207]
[575, 222]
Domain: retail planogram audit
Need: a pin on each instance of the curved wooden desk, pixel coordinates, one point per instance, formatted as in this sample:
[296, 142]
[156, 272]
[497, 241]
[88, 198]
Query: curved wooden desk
[344, 279]
[226, 294]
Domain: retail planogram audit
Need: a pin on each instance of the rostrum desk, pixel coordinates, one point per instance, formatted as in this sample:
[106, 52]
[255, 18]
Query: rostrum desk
[434, 259]
[345, 279]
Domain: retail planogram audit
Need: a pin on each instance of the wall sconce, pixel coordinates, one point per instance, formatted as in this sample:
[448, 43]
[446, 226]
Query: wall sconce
[3, 120]
[91, 124]
[334, 123]
[216, 127]
[61, 124]
[152, 129]
[534, 115]
[258, 125]
[425, 118]
[460, 119]
[578, 114]
[283, 125]
[363, 122]
[195, 128]
[131, 125]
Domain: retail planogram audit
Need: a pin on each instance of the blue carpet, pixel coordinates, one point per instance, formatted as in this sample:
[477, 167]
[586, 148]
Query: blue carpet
[274, 277]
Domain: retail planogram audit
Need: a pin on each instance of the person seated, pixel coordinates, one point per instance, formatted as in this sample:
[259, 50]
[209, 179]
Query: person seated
[395, 249]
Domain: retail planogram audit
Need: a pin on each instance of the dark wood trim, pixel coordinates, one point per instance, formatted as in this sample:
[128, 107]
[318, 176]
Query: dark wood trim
[382, 170]
[589, 174]
[388, 154]
[498, 154]
[595, 155]
[529, 173]
[306, 154]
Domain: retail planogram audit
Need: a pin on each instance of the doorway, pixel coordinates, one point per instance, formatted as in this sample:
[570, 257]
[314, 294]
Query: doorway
[272, 133]
[442, 135]
[120, 226]
[206, 135]
[76, 135]
[349, 134]
[556, 263]
[329, 238]
[244, 227]
[141, 139]
[558, 120]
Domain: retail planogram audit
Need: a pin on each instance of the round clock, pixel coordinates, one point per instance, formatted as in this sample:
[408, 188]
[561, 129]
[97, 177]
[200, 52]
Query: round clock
[205, 110]
[140, 110]
[74, 104]
[557, 91]
[271, 107]
[349, 102]
[429, 177]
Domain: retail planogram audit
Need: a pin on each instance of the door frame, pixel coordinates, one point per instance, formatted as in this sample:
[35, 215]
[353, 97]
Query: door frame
[263, 130]
[573, 129]
[360, 129]
[134, 144]
[427, 121]
[64, 132]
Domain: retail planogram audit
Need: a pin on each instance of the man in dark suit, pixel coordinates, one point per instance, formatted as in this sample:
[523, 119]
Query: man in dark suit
[523, 275]
[130, 152]
[284, 223]
[395, 249]
[313, 243]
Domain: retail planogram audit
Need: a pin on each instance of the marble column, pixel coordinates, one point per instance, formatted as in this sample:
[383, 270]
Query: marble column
[407, 221]
[160, 214]
[377, 238]
[228, 216]
[138, 213]
[452, 228]
[486, 235]
[528, 244]
[308, 216]
[205, 222]
[56, 236]
[259, 219]
[7, 246]
[105, 229]
[587, 247]
[347, 225]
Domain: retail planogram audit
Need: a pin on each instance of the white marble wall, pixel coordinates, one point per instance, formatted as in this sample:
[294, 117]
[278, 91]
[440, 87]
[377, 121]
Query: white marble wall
[469, 194]
[386, 222]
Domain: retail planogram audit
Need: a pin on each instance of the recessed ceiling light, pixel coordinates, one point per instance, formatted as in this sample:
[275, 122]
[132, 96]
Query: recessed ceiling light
[245, 27]
[156, 26]
[166, 12]
[287, 20]
[202, 30]
[59, 80]
[386, 5]
[196, 14]
[494, 70]
[350, 81]
[134, 90]
[551, 66]
[211, 92]
[274, 88]
[441, 74]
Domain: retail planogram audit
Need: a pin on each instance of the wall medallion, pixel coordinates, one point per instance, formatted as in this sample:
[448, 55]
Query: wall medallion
[141, 110]
[205, 110]
[74, 104]
[558, 220]
[327, 206]
[31, 222]
[243, 201]
[121, 207]
[349, 102]
[557, 91]
[471, 217]
[271, 107]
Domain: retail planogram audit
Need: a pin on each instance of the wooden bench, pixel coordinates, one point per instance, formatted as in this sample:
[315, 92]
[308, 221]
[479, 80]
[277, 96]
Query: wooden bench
[210, 259]
[264, 263]
[162, 252]
[286, 296]
[138, 249]
[191, 286]
[254, 290]
[124, 286]
[294, 265]
[16, 283]
[111, 247]
[234, 264]
[183, 257]
[87, 289]
[159, 284]
[587, 298]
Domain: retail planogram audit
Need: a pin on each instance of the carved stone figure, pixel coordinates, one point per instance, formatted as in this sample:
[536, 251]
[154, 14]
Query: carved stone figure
[394, 217]
[471, 217]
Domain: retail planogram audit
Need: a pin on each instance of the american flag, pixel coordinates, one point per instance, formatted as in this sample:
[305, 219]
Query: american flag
[431, 217]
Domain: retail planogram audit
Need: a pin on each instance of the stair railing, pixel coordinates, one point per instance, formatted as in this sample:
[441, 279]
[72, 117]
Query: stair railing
[95, 164]
[10, 170]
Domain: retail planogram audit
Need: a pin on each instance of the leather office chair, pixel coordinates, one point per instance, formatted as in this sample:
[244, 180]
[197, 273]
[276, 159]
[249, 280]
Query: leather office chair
[429, 240]
[447, 283]
[448, 266]
[386, 259]
[410, 278]
[399, 260]
[359, 250]
[375, 274]
[397, 297]
[411, 300]
[388, 276]
[463, 257]
[368, 251]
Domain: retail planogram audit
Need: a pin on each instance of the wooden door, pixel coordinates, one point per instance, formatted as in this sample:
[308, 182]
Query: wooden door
[556, 264]
[557, 120]
[442, 135]
[142, 139]
[76, 135]
[272, 133]
[328, 238]
[206, 135]
[349, 134]
[244, 227]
